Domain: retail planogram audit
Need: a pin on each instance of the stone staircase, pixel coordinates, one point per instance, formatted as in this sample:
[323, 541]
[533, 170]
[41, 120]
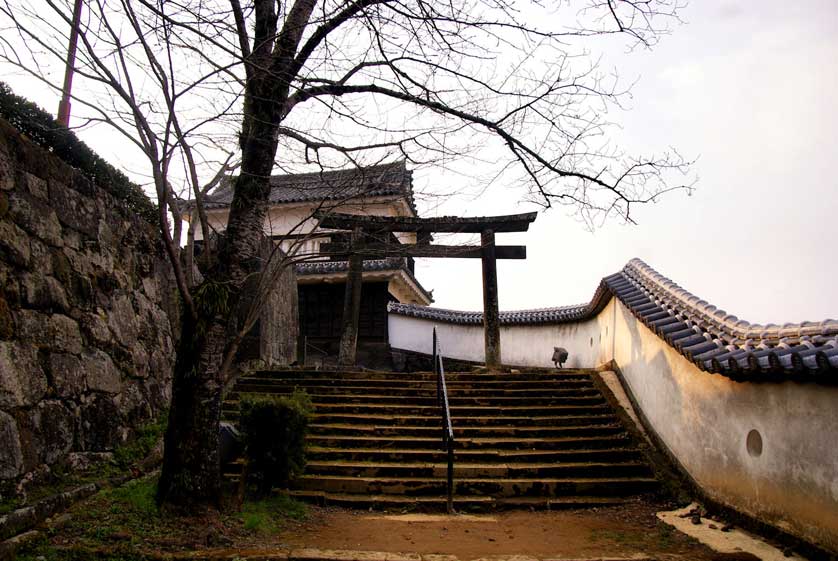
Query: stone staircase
[524, 440]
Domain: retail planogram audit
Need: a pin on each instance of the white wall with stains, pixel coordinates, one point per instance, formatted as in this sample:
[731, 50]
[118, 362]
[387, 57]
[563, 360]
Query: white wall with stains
[790, 481]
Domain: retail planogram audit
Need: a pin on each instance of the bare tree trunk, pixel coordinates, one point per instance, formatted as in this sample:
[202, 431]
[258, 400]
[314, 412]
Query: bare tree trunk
[191, 470]
[191, 475]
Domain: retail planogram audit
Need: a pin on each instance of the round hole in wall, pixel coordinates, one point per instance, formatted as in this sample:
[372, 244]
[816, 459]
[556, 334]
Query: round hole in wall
[754, 443]
[592, 341]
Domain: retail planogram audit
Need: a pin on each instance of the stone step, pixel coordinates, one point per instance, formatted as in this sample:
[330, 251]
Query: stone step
[532, 432]
[463, 422]
[527, 487]
[453, 385]
[529, 375]
[453, 401]
[620, 454]
[536, 439]
[525, 470]
[428, 391]
[456, 411]
[402, 442]
[462, 503]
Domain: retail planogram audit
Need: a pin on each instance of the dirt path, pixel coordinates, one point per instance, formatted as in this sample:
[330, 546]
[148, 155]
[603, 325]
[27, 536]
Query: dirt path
[605, 532]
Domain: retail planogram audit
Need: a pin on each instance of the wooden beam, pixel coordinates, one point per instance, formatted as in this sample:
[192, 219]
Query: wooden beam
[450, 224]
[381, 251]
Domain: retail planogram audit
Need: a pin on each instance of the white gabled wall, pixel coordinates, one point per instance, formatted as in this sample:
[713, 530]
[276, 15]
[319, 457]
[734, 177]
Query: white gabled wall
[703, 419]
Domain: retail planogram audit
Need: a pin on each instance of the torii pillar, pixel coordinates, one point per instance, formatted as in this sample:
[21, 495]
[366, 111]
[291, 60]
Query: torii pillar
[366, 229]
[491, 312]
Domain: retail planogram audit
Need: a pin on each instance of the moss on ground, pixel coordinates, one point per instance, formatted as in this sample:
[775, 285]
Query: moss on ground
[125, 458]
[126, 523]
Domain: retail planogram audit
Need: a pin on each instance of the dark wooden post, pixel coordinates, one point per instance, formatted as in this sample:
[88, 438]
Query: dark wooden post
[491, 314]
[352, 301]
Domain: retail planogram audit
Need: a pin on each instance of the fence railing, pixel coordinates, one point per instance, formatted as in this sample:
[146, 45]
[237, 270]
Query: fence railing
[445, 414]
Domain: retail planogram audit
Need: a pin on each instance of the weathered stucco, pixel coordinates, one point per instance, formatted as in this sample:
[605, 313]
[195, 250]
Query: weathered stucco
[703, 419]
[86, 345]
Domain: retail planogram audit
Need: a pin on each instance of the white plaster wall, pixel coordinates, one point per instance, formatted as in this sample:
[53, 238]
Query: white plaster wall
[521, 345]
[703, 419]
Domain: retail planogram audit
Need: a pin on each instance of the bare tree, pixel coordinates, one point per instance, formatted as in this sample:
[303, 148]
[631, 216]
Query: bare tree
[331, 83]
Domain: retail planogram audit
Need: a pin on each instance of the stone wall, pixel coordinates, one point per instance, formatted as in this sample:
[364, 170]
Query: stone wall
[86, 344]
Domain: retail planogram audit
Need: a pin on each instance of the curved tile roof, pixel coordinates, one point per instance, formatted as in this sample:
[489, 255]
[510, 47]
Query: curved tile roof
[369, 265]
[709, 337]
[374, 181]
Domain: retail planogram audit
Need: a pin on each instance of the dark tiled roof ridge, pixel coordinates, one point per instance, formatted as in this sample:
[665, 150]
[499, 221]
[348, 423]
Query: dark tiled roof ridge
[677, 298]
[711, 338]
[388, 179]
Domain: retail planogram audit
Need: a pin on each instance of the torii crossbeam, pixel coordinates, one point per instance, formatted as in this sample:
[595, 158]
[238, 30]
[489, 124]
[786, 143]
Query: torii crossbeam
[371, 239]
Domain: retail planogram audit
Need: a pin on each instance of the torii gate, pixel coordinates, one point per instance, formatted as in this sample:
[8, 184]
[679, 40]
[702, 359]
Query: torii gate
[372, 238]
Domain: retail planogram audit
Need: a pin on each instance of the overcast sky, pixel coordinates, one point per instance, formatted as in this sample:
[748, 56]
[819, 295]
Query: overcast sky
[751, 90]
[748, 88]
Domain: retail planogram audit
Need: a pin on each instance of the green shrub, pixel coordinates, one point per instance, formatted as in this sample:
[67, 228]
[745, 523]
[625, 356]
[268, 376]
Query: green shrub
[39, 125]
[274, 431]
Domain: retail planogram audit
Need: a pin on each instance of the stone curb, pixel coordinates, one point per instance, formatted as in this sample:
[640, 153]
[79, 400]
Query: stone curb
[310, 554]
[23, 519]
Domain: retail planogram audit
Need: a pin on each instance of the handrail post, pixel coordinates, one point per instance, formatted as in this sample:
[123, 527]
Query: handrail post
[445, 413]
[450, 476]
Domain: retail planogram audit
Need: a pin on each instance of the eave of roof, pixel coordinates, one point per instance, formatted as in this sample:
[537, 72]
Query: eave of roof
[394, 264]
[712, 339]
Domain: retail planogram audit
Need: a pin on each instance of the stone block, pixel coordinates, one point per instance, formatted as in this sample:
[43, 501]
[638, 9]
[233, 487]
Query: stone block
[67, 374]
[151, 286]
[22, 380]
[101, 373]
[7, 172]
[43, 293]
[133, 406]
[82, 184]
[11, 459]
[123, 321]
[56, 332]
[141, 361]
[41, 262]
[100, 427]
[96, 328]
[36, 186]
[14, 244]
[60, 267]
[65, 334]
[36, 217]
[75, 210]
[7, 324]
[52, 425]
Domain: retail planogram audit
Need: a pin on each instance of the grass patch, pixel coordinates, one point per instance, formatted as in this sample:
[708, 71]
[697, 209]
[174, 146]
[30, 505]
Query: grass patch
[141, 445]
[61, 479]
[126, 523]
[269, 515]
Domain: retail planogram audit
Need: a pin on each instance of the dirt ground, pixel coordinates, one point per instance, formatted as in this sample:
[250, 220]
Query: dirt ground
[603, 532]
[127, 520]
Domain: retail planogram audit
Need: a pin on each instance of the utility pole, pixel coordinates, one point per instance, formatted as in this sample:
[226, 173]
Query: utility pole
[64, 104]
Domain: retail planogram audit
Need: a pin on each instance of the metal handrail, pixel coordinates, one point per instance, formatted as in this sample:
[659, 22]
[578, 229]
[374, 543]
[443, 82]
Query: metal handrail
[307, 346]
[447, 429]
